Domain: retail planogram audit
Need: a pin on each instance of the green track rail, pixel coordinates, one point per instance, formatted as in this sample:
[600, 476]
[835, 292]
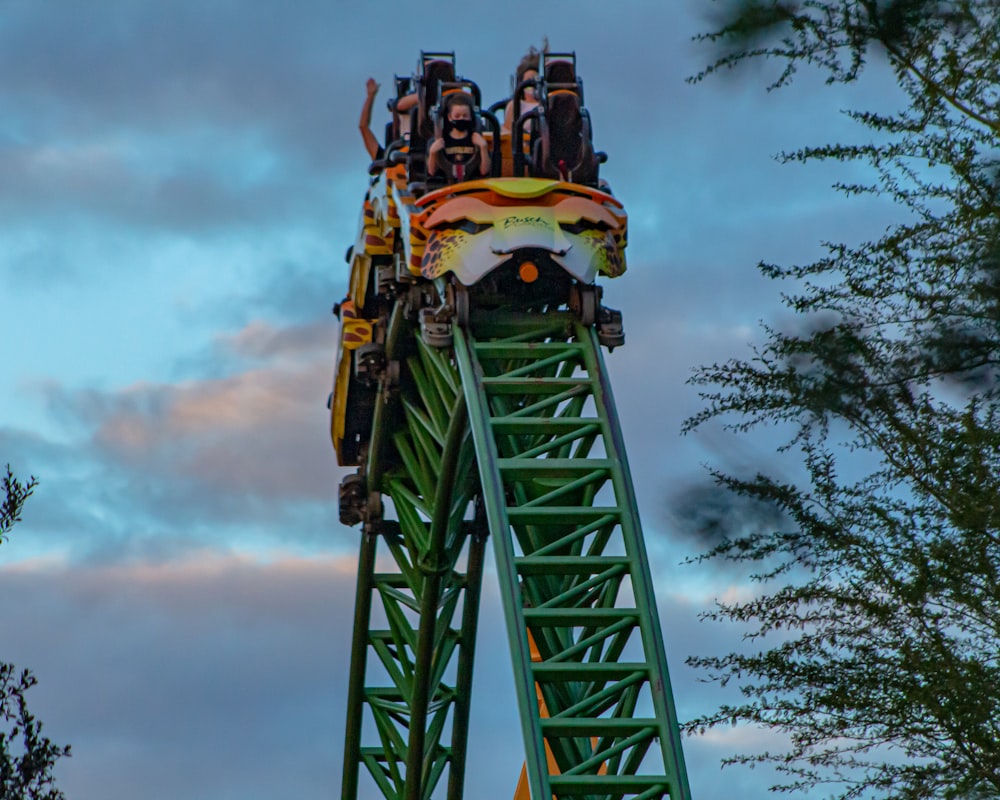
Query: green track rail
[511, 434]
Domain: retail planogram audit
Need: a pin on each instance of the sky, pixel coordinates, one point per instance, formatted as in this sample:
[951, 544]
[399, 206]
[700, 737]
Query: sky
[178, 184]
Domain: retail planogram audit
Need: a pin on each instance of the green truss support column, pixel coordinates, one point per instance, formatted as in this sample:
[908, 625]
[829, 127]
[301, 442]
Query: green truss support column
[418, 586]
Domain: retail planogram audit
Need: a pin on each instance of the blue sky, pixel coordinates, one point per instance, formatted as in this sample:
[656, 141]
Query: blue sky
[178, 184]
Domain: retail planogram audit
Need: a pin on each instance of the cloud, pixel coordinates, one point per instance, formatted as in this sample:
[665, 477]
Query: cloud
[170, 680]
[710, 514]
[159, 67]
[259, 433]
[154, 469]
[191, 120]
[262, 340]
[303, 289]
[119, 181]
[176, 117]
[177, 426]
[178, 183]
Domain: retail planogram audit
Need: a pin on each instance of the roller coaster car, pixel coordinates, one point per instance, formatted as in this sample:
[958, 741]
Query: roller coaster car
[492, 245]
[498, 244]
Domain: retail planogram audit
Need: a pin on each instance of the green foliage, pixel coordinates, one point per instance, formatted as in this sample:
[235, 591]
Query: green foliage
[15, 495]
[877, 630]
[26, 756]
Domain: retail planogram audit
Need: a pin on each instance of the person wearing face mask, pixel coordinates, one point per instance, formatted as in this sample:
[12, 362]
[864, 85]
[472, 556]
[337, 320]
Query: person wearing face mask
[460, 150]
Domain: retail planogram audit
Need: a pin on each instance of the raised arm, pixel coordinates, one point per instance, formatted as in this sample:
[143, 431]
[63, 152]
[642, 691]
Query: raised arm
[364, 124]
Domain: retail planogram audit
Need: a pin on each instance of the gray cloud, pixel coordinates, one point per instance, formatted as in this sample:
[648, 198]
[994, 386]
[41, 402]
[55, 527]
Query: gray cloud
[263, 341]
[94, 182]
[711, 514]
[156, 67]
[173, 680]
[190, 119]
[297, 291]
[119, 120]
[153, 66]
[178, 116]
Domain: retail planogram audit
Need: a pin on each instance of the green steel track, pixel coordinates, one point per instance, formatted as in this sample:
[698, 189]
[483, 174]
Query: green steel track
[507, 433]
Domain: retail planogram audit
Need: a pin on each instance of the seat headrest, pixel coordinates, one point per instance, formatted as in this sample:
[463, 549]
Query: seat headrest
[436, 73]
[560, 72]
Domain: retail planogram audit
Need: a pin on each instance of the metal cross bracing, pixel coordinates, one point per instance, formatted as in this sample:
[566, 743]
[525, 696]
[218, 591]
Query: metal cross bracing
[418, 585]
[509, 432]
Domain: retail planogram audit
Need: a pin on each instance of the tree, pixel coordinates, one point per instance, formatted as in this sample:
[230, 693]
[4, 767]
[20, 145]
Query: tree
[874, 639]
[26, 756]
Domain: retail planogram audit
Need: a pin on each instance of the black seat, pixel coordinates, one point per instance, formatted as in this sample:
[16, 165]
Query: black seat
[435, 72]
[563, 148]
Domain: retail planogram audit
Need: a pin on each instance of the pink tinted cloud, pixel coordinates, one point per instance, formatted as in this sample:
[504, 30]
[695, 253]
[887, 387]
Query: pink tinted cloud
[263, 431]
[262, 340]
[260, 431]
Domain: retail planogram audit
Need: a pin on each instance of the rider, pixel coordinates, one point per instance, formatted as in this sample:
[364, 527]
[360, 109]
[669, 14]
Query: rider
[527, 69]
[462, 146]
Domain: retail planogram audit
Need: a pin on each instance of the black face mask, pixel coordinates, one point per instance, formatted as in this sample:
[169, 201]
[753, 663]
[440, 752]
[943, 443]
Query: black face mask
[462, 125]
